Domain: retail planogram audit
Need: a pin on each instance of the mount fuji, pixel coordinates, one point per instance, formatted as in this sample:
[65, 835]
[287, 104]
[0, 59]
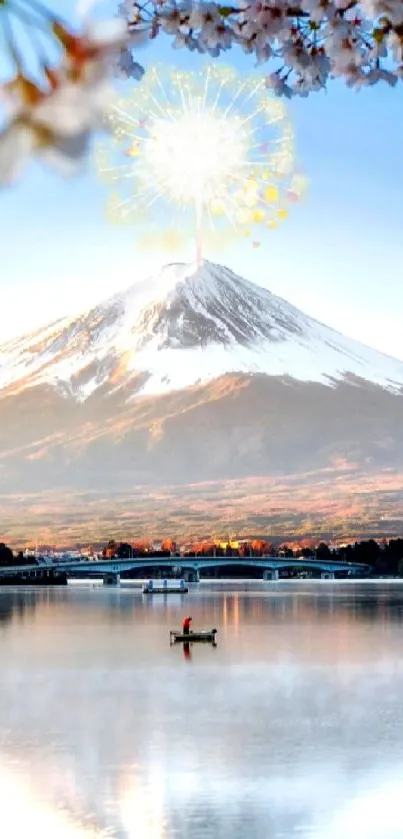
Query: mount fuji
[187, 327]
[193, 375]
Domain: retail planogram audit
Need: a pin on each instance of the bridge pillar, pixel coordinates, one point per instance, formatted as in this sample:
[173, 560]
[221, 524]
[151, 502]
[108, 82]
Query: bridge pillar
[271, 574]
[192, 575]
[327, 575]
[112, 578]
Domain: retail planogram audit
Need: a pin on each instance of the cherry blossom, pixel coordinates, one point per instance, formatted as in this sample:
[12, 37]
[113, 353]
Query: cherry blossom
[54, 115]
[307, 43]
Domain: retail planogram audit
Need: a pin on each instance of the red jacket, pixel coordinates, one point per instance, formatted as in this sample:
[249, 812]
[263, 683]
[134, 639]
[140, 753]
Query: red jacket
[186, 623]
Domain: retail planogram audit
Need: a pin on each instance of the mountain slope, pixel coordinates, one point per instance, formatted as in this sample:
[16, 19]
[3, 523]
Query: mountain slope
[234, 427]
[183, 328]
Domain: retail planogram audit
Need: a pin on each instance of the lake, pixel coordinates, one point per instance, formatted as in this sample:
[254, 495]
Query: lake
[291, 727]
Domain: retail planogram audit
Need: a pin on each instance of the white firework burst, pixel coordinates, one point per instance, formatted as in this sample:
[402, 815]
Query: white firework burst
[208, 149]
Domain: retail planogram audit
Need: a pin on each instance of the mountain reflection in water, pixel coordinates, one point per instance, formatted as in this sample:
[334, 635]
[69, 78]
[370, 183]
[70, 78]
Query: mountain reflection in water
[290, 727]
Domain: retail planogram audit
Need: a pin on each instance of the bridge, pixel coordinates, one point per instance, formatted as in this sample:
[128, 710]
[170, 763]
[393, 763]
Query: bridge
[190, 566]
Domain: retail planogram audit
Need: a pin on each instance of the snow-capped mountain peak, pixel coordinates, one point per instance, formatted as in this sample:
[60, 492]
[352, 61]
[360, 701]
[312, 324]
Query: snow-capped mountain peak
[209, 306]
[183, 327]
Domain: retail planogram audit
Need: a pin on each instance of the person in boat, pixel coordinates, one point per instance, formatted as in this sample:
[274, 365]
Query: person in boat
[186, 625]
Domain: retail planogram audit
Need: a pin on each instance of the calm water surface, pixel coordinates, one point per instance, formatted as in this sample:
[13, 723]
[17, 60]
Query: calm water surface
[291, 727]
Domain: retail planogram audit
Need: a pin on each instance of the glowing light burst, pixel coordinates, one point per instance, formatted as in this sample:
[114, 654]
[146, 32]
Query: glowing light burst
[210, 151]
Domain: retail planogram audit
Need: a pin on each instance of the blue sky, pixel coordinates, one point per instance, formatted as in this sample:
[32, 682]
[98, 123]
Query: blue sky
[338, 256]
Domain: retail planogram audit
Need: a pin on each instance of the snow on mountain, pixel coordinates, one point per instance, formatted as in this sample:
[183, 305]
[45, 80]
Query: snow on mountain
[185, 327]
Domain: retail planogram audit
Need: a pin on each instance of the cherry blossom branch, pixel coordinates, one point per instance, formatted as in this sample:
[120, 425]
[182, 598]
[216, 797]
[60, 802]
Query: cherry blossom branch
[312, 42]
[56, 103]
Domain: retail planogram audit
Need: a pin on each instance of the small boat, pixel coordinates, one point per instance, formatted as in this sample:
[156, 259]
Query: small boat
[165, 587]
[205, 635]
